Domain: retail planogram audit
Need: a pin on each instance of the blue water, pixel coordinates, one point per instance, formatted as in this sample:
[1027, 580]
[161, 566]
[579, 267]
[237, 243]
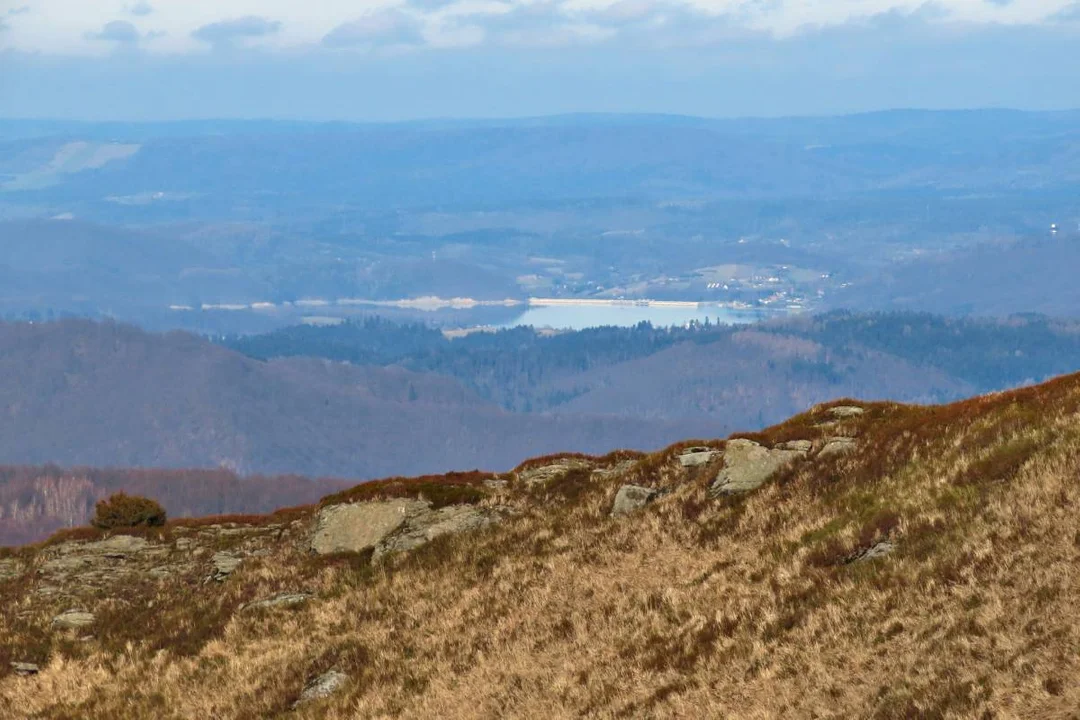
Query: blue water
[578, 317]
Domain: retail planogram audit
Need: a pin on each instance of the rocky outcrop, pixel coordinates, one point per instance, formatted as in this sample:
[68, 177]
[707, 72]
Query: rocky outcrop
[631, 498]
[692, 457]
[846, 411]
[837, 446]
[748, 464]
[356, 527]
[323, 686]
[426, 526]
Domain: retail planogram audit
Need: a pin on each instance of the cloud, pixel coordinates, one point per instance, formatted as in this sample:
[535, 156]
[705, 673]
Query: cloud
[140, 9]
[19, 10]
[378, 28]
[120, 32]
[1067, 14]
[227, 32]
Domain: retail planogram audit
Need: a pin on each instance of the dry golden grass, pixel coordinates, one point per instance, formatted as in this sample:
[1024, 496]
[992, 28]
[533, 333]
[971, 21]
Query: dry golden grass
[741, 607]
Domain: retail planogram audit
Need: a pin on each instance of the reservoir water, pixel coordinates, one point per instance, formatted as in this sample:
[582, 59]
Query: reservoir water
[578, 317]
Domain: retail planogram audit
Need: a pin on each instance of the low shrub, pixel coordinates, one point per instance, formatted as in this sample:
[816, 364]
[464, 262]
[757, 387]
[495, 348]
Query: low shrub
[127, 511]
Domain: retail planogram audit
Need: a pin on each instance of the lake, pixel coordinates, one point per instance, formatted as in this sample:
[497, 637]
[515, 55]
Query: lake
[578, 317]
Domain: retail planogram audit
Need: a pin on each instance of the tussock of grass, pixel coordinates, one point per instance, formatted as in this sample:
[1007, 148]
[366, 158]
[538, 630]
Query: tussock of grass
[739, 607]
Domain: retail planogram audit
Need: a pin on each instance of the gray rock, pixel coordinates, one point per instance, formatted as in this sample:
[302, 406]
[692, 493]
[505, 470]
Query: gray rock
[118, 546]
[692, 457]
[747, 465]
[73, 619]
[544, 473]
[357, 527]
[426, 526]
[323, 686]
[281, 600]
[224, 565]
[837, 446]
[184, 543]
[25, 668]
[846, 411]
[632, 497]
[802, 446]
[877, 550]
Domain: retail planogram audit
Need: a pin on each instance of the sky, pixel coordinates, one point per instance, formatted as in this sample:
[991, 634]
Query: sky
[362, 60]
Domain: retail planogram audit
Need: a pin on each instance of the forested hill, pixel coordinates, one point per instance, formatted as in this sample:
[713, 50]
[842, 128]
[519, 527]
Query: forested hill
[524, 370]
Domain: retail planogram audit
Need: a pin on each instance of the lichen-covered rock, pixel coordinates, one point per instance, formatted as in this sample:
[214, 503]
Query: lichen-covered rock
[631, 498]
[224, 565]
[802, 446]
[73, 619]
[426, 526]
[355, 527]
[281, 600]
[323, 686]
[748, 464]
[544, 473]
[692, 457]
[837, 446]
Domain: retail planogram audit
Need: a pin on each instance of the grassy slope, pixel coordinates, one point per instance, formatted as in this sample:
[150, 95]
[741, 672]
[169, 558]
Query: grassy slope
[739, 607]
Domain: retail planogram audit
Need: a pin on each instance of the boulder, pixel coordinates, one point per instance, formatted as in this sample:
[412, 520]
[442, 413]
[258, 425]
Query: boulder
[544, 473]
[846, 411]
[802, 446]
[73, 620]
[632, 497]
[692, 457]
[118, 546]
[224, 565]
[323, 686]
[356, 527]
[426, 526]
[25, 668]
[748, 464]
[837, 446]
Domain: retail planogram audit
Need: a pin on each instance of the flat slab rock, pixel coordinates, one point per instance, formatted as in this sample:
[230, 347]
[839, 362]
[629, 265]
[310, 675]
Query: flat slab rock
[748, 464]
[631, 498]
[25, 668]
[692, 457]
[355, 527]
[281, 600]
[73, 620]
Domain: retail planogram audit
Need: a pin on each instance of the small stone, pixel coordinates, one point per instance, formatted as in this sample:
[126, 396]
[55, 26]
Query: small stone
[25, 668]
[281, 600]
[877, 550]
[224, 565]
[846, 411]
[692, 457]
[323, 686]
[632, 497]
[73, 619]
[837, 446]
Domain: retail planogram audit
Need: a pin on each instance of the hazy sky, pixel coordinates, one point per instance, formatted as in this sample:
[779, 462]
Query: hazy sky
[324, 59]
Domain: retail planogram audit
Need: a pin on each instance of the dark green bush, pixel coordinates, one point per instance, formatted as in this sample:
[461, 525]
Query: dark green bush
[125, 511]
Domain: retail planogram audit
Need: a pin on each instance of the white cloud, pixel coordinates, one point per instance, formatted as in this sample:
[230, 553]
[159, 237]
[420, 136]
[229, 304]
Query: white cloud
[70, 26]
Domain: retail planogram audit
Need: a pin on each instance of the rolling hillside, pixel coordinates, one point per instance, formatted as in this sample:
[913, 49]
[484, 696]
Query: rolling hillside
[858, 560]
